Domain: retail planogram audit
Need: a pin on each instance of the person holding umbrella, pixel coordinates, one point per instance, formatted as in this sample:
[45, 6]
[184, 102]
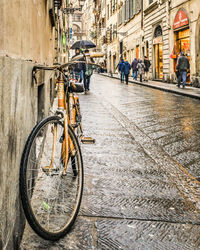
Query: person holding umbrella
[79, 67]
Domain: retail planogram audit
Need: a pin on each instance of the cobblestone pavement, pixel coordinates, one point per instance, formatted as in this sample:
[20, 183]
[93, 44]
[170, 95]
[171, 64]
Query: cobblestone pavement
[139, 190]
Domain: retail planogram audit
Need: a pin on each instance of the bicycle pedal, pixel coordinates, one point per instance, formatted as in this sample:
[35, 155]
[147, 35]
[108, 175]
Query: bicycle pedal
[87, 140]
[48, 169]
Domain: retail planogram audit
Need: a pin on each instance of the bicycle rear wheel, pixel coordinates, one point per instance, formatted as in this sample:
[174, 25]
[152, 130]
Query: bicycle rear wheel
[51, 199]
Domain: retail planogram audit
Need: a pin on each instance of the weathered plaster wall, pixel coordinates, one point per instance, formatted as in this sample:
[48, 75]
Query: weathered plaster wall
[26, 30]
[26, 39]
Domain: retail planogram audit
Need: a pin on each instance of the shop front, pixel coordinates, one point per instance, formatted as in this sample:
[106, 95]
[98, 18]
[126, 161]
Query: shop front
[158, 53]
[197, 38]
[181, 37]
[137, 52]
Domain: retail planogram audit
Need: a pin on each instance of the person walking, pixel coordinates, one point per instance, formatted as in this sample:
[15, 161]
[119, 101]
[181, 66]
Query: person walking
[140, 67]
[79, 67]
[121, 70]
[87, 72]
[182, 67]
[134, 68]
[147, 65]
[127, 68]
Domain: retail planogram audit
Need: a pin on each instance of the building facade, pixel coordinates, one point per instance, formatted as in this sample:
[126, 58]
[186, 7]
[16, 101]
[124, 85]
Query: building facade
[158, 29]
[31, 34]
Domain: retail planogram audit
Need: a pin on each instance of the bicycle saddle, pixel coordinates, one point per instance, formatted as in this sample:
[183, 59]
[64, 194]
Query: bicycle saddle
[76, 87]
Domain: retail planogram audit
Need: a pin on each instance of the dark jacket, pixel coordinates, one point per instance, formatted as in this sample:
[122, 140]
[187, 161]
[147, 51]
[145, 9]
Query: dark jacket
[147, 65]
[78, 66]
[126, 68]
[121, 65]
[134, 64]
[182, 63]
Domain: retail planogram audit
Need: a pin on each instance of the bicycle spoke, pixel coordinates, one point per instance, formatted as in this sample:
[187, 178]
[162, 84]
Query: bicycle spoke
[54, 196]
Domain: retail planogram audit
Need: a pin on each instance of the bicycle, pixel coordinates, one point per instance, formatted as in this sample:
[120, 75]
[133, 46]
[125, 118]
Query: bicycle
[51, 169]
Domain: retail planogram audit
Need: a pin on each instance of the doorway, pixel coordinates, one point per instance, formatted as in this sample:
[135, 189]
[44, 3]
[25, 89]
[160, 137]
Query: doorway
[198, 48]
[158, 48]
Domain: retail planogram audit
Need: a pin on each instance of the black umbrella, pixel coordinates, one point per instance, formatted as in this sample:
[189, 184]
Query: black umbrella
[83, 44]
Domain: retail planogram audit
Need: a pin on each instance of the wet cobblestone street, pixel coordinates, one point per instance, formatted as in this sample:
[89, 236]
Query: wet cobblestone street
[140, 188]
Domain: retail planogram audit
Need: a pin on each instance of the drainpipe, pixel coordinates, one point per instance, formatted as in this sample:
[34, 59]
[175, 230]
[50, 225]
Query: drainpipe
[142, 18]
[168, 14]
[168, 27]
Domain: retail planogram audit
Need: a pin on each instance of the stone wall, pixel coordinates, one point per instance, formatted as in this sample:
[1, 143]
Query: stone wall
[26, 39]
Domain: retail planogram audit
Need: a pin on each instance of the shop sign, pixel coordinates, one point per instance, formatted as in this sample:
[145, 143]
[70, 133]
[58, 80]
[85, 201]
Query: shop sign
[180, 20]
[157, 40]
[183, 34]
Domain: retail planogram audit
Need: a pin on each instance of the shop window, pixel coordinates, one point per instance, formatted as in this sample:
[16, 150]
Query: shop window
[147, 47]
[137, 52]
[183, 41]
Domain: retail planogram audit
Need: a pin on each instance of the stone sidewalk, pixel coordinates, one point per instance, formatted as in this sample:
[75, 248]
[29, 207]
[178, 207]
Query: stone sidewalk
[169, 87]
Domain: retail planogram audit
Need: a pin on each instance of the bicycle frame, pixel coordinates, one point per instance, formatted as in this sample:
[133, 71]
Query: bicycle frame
[63, 109]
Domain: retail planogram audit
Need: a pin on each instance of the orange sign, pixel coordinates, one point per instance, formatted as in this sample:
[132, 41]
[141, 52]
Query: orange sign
[180, 20]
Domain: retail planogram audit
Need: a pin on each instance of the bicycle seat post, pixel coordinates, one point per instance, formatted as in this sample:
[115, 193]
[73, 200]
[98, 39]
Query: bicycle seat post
[61, 92]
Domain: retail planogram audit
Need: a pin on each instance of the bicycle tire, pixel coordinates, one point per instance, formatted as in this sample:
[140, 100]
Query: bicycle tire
[40, 207]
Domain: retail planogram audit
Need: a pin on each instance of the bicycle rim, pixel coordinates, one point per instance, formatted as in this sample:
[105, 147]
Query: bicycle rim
[51, 200]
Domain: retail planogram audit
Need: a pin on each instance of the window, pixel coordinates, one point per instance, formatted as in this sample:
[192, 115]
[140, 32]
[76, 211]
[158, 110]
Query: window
[108, 11]
[114, 31]
[158, 31]
[111, 33]
[137, 5]
[121, 47]
[130, 8]
[119, 21]
[150, 1]
[126, 10]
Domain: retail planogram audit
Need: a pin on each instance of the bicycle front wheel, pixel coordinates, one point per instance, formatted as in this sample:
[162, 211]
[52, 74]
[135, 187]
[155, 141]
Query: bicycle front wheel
[50, 197]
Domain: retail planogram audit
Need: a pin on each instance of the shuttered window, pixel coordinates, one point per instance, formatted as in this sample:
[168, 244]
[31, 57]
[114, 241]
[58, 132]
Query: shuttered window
[130, 9]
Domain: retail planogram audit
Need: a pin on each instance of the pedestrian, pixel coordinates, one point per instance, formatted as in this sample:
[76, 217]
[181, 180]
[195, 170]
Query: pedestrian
[87, 72]
[79, 67]
[121, 70]
[140, 67]
[182, 67]
[134, 68]
[147, 65]
[127, 68]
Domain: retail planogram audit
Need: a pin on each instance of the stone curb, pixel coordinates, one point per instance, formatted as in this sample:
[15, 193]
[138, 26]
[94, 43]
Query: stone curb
[163, 88]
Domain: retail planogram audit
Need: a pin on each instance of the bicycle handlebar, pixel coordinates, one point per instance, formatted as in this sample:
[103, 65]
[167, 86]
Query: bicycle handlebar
[74, 60]
[60, 67]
